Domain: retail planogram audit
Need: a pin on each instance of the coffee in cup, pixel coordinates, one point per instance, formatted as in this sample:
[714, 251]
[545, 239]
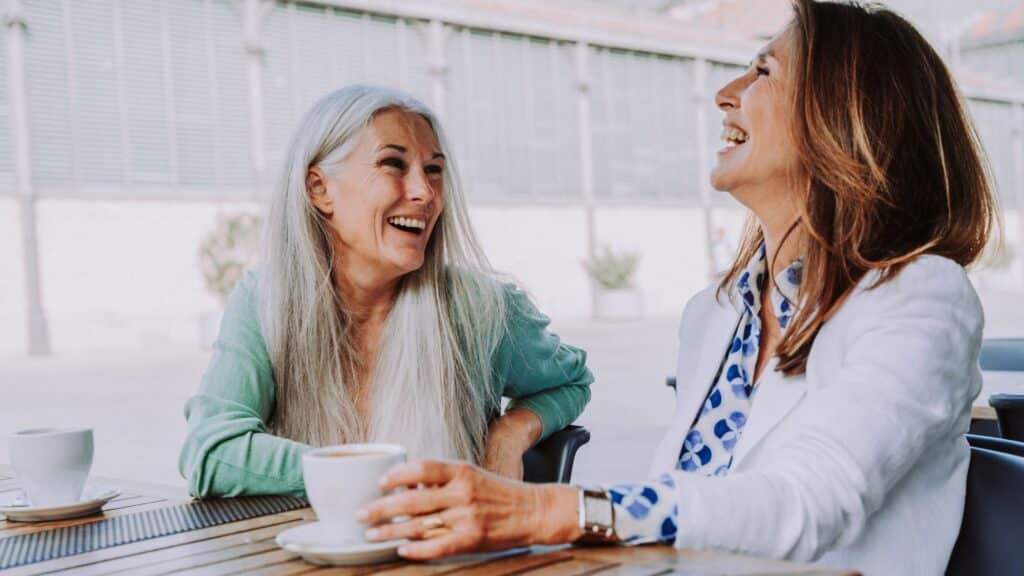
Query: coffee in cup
[51, 464]
[340, 480]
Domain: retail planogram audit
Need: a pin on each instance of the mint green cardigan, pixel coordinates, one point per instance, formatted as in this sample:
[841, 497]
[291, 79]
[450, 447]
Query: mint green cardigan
[228, 451]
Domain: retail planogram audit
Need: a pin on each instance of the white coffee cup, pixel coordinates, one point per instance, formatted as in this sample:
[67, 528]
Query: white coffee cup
[342, 479]
[51, 464]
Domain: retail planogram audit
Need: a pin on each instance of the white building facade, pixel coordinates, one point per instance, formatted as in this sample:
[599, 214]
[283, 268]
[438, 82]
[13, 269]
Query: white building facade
[126, 126]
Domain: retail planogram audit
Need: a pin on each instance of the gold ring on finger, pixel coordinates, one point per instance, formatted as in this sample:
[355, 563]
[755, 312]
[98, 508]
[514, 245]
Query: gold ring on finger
[433, 522]
[435, 533]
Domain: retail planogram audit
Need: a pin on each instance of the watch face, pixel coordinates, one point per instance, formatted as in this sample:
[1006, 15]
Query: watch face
[598, 510]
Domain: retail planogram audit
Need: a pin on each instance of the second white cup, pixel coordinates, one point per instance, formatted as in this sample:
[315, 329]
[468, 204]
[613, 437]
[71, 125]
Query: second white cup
[342, 479]
[52, 464]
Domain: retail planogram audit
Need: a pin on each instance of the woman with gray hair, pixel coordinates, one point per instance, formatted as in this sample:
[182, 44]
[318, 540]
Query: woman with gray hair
[375, 317]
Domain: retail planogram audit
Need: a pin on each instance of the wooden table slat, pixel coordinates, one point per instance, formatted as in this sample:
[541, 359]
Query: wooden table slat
[447, 565]
[290, 568]
[345, 570]
[572, 567]
[661, 569]
[195, 561]
[192, 554]
[240, 565]
[514, 564]
[184, 539]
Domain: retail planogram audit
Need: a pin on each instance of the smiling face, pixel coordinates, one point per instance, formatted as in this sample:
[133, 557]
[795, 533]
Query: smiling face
[759, 155]
[383, 198]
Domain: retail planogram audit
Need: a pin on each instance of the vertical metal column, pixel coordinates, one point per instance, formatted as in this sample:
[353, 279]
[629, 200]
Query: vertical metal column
[700, 103]
[583, 83]
[437, 66]
[254, 13]
[38, 333]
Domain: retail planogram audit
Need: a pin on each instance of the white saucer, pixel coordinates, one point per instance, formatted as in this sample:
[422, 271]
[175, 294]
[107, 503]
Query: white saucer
[17, 508]
[309, 542]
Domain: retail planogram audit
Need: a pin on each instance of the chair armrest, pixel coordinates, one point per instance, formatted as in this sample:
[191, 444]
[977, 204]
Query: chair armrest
[552, 459]
[996, 444]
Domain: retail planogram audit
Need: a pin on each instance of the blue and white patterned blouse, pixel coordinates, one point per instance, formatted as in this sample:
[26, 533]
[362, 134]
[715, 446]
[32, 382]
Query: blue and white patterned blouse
[647, 512]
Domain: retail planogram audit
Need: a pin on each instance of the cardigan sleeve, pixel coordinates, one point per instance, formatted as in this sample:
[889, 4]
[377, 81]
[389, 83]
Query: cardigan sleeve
[537, 370]
[228, 451]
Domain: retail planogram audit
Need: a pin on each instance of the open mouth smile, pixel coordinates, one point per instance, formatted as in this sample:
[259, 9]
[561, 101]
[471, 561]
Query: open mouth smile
[733, 138]
[408, 224]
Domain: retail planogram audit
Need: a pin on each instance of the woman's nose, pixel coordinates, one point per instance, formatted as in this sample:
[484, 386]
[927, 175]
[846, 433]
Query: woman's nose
[728, 97]
[418, 187]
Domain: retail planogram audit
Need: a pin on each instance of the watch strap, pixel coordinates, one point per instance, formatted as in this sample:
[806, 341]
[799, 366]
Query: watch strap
[592, 529]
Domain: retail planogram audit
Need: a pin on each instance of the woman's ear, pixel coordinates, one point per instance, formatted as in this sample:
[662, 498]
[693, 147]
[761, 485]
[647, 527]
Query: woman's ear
[316, 188]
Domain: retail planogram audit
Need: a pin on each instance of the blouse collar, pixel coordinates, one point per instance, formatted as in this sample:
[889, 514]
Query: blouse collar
[750, 284]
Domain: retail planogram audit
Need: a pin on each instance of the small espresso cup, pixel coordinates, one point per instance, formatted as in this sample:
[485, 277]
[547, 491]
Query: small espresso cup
[51, 464]
[341, 479]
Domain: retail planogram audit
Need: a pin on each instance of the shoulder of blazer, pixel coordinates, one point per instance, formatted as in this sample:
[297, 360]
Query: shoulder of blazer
[932, 285]
[931, 276]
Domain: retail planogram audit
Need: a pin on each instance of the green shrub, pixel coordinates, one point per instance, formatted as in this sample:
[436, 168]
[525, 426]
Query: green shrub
[612, 271]
[227, 251]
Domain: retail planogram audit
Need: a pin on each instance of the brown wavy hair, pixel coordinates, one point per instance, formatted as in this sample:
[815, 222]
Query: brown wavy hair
[892, 164]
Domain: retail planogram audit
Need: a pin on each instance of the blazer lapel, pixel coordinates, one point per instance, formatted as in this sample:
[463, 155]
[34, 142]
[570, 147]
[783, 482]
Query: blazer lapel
[775, 397]
[702, 348]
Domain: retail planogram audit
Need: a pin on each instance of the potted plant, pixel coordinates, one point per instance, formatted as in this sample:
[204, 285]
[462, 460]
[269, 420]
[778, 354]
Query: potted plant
[225, 254]
[616, 297]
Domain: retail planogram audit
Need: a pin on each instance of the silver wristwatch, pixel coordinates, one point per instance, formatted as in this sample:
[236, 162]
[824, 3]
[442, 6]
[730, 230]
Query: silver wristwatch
[597, 516]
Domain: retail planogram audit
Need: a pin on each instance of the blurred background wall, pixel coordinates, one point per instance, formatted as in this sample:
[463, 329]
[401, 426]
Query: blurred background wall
[130, 128]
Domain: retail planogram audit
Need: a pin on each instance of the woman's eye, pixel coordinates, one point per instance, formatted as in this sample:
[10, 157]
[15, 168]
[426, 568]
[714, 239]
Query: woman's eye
[434, 171]
[397, 163]
[762, 71]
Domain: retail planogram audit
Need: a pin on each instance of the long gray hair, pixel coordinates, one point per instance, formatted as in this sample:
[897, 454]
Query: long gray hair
[430, 388]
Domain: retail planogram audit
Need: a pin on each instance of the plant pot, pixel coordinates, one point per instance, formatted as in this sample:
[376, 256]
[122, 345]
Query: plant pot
[619, 304]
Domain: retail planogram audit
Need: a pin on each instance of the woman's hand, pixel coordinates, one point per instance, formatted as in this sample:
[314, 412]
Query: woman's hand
[456, 507]
[508, 438]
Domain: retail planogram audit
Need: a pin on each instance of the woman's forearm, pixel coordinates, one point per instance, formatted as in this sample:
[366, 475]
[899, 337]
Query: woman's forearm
[519, 427]
[508, 438]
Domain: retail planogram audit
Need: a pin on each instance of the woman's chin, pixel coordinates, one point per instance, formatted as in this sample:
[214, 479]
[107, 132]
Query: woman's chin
[722, 180]
[408, 265]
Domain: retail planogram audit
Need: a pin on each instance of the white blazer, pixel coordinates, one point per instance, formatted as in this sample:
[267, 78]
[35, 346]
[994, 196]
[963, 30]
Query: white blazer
[859, 463]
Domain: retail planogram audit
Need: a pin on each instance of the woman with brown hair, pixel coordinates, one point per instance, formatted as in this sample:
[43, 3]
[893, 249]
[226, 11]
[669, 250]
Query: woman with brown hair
[825, 384]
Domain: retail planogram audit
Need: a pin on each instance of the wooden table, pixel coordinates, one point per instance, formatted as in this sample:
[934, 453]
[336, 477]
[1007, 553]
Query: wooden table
[983, 413]
[247, 547]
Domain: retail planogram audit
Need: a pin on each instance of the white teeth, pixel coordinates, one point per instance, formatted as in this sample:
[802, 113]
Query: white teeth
[408, 222]
[733, 136]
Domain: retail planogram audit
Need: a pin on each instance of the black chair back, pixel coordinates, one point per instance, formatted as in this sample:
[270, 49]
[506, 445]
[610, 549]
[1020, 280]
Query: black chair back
[996, 444]
[1002, 354]
[990, 535]
[552, 459]
[1010, 414]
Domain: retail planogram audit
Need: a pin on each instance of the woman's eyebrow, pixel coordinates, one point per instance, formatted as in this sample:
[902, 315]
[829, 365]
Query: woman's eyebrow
[401, 149]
